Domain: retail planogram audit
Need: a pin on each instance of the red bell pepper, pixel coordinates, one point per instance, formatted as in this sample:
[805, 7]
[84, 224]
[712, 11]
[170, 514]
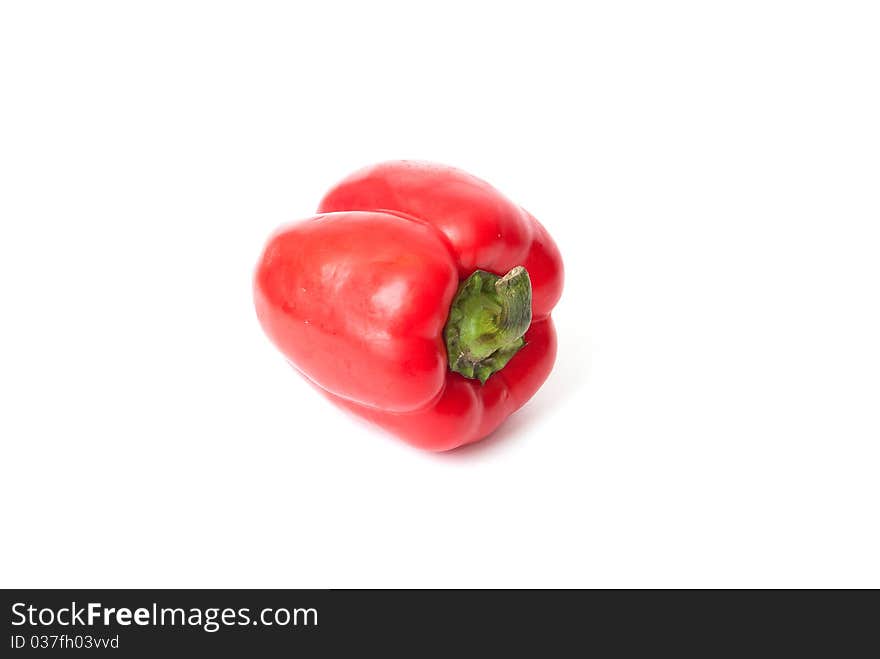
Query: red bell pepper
[419, 298]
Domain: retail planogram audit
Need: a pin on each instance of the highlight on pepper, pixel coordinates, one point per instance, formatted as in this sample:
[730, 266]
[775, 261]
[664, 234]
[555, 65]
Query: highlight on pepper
[419, 298]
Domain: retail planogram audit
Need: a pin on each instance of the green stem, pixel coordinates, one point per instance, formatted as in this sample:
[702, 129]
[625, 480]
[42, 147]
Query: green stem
[487, 320]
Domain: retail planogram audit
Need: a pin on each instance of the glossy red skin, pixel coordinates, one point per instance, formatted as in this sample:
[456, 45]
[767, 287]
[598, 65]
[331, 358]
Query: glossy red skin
[356, 298]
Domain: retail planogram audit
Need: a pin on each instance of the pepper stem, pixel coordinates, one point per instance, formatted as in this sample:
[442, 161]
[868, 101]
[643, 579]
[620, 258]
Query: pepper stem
[487, 320]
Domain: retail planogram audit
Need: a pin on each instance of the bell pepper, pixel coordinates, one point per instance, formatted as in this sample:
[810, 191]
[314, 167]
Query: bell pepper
[419, 298]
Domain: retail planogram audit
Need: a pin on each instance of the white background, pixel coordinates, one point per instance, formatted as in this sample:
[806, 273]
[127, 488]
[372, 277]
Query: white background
[709, 170]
